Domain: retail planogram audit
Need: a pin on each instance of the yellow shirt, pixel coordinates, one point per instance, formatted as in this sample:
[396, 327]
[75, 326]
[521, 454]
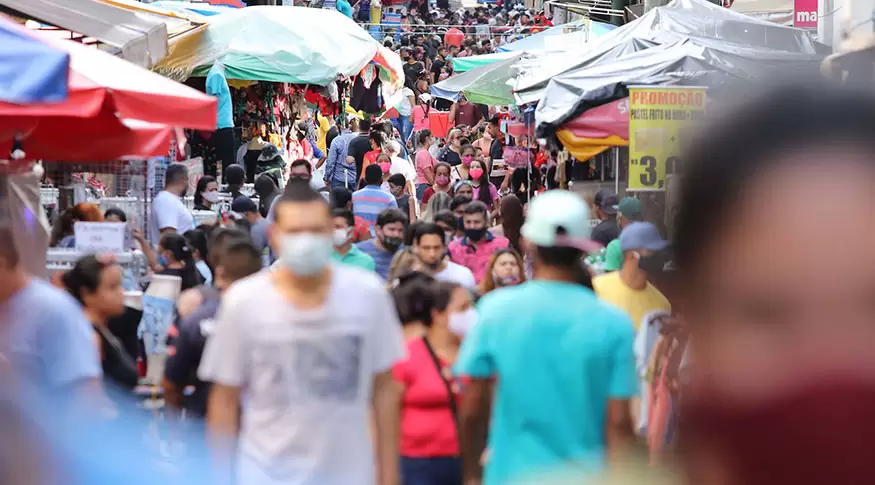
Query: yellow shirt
[322, 132]
[636, 303]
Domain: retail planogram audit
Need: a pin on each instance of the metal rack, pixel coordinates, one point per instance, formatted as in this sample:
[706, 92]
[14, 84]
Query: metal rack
[134, 262]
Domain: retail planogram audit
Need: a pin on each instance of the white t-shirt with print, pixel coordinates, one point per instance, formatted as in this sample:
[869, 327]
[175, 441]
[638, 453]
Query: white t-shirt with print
[402, 166]
[169, 211]
[457, 273]
[404, 107]
[305, 376]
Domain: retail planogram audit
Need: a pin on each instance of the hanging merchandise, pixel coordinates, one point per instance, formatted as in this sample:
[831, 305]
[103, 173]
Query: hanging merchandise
[365, 94]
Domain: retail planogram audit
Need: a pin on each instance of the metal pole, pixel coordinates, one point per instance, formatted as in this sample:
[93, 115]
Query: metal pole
[616, 151]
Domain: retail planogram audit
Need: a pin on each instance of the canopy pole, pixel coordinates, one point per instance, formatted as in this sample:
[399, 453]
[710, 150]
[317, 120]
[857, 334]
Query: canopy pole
[616, 152]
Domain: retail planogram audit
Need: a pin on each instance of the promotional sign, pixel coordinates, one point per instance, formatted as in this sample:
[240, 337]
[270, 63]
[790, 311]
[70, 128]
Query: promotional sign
[660, 119]
[100, 237]
[391, 23]
[195, 172]
[516, 156]
[805, 14]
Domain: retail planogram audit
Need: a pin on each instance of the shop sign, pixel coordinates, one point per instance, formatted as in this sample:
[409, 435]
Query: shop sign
[805, 14]
[660, 122]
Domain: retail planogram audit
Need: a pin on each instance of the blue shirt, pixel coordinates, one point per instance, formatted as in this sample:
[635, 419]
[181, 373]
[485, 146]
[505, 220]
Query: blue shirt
[368, 202]
[382, 258]
[559, 354]
[339, 171]
[217, 86]
[344, 7]
[45, 335]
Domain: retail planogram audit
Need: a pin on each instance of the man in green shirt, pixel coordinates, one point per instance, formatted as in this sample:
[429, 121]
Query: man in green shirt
[344, 249]
[628, 211]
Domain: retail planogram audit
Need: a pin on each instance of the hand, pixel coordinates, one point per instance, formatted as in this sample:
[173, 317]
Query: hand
[138, 236]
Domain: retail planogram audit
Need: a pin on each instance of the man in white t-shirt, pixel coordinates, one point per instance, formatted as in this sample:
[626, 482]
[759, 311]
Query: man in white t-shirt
[299, 357]
[430, 248]
[169, 214]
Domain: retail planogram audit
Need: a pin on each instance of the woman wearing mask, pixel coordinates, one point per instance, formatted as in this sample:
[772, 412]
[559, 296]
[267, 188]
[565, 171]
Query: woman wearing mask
[441, 183]
[424, 163]
[176, 258]
[460, 171]
[206, 194]
[484, 190]
[452, 153]
[384, 161]
[398, 189]
[96, 282]
[197, 240]
[376, 144]
[780, 386]
[428, 393]
[505, 269]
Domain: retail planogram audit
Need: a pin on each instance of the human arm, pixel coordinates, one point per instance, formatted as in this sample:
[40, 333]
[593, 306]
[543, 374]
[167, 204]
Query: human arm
[452, 115]
[146, 248]
[331, 161]
[411, 209]
[623, 386]
[388, 349]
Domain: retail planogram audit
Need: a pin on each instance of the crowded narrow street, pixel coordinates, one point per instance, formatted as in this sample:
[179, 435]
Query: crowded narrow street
[451, 242]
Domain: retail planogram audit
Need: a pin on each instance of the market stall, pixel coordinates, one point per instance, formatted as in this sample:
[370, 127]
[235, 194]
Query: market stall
[40, 69]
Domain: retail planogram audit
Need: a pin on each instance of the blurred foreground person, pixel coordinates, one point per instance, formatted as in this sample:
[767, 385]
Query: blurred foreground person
[299, 358]
[783, 379]
[562, 359]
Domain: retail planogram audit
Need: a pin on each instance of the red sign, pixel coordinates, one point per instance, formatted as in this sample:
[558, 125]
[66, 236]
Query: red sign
[805, 13]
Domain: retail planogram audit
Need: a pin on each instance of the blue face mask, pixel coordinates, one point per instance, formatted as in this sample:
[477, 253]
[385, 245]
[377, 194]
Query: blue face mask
[162, 260]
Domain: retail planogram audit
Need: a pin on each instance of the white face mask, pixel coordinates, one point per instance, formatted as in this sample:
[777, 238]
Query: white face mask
[211, 197]
[461, 323]
[305, 254]
[341, 237]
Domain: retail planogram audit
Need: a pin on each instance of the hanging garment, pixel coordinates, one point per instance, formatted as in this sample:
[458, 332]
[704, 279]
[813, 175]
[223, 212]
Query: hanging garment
[366, 91]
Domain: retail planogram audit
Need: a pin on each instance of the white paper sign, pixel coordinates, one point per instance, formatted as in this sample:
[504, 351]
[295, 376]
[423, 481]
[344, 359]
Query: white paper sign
[100, 237]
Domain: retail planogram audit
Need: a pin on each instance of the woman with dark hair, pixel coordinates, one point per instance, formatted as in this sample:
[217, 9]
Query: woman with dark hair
[441, 184]
[96, 283]
[267, 189]
[176, 258]
[114, 214]
[63, 231]
[780, 384]
[512, 219]
[206, 194]
[484, 190]
[197, 240]
[426, 389]
[235, 175]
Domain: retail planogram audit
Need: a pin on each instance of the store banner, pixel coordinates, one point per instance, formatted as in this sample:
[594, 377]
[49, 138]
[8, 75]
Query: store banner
[805, 14]
[660, 122]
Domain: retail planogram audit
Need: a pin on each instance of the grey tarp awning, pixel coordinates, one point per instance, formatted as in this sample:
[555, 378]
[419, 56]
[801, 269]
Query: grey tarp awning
[139, 39]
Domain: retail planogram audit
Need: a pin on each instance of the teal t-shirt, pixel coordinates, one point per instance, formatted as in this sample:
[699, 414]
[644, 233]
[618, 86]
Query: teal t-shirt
[613, 256]
[559, 354]
[344, 7]
[355, 257]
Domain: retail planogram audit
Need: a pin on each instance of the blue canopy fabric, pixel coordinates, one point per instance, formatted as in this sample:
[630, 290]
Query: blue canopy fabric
[538, 41]
[30, 71]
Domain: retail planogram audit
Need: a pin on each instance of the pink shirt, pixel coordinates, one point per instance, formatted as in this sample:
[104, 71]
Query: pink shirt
[476, 258]
[420, 119]
[423, 160]
[493, 193]
[427, 426]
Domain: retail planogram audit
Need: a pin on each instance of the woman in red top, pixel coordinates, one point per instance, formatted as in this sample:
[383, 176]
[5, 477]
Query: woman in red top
[428, 393]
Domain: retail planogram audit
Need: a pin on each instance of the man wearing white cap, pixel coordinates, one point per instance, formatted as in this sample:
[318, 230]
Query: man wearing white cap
[563, 360]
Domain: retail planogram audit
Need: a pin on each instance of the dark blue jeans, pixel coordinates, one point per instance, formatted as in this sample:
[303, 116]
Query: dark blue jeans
[431, 471]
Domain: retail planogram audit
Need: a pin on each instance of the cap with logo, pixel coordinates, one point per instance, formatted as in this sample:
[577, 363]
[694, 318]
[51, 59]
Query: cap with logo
[631, 209]
[642, 235]
[559, 218]
[606, 200]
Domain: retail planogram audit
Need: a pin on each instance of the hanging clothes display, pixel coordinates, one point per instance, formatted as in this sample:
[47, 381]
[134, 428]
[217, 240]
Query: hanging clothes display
[365, 94]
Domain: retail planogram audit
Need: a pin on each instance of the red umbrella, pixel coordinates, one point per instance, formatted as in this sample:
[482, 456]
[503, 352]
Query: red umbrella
[97, 77]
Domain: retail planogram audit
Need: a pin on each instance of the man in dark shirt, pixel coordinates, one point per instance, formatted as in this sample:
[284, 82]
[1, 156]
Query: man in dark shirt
[605, 204]
[496, 149]
[465, 113]
[360, 145]
[238, 260]
[412, 67]
[439, 62]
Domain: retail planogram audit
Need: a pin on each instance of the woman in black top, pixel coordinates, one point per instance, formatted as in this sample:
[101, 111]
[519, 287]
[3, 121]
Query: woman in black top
[267, 189]
[206, 193]
[177, 259]
[235, 175]
[96, 282]
[452, 153]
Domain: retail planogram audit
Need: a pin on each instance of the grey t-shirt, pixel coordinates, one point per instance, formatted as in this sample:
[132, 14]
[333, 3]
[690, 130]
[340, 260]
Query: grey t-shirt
[259, 234]
[306, 376]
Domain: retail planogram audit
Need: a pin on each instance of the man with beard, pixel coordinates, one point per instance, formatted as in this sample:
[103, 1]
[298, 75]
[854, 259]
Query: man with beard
[430, 248]
[389, 229]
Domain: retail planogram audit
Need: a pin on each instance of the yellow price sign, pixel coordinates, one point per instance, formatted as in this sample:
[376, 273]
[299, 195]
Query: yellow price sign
[660, 121]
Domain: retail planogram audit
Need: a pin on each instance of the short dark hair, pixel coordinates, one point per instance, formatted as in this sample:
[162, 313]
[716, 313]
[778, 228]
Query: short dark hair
[459, 201]
[235, 175]
[302, 163]
[422, 136]
[373, 174]
[115, 211]
[397, 179]
[346, 214]
[495, 120]
[365, 124]
[563, 257]
[447, 217]
[298, 192]
[390, 216]
[175, 174]
[427, 228]
[241, 259]
[340, 197]
[477, 207]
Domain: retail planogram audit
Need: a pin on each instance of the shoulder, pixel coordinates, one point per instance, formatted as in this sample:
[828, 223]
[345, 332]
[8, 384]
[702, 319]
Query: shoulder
[606, 280]
[54, 301]
[243, 290]
[455, 244]
[365, 283]
[365, 245]
[501, 241]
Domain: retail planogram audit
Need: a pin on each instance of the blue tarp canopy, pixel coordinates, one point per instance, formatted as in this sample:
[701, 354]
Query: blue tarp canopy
[539, 41]
[30, 71]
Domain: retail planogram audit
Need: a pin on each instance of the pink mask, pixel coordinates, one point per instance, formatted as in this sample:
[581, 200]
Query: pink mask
[467, 159]
[385, 166]
[476, 173]
[442, 180]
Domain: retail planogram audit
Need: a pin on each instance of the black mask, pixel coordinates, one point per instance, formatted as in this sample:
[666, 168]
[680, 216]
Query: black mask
[475, 234]
[392, 243]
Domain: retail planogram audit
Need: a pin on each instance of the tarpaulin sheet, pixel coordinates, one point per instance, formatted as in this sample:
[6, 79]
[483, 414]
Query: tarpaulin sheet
[31, 71]
[486, 84]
